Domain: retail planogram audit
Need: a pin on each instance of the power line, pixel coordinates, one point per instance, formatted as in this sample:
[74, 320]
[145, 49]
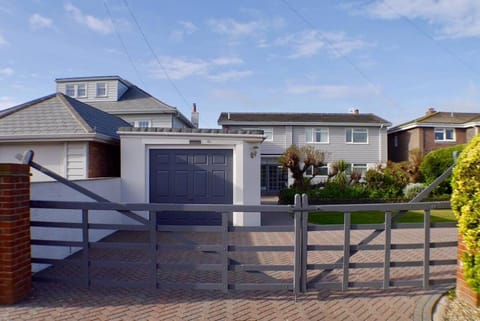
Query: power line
[123, 44]
[339, 54]
[154, 54]
[430, 37]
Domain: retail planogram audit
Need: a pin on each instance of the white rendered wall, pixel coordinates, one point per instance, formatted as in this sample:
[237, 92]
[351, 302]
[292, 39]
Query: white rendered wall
[50, 155]
[246, 170]
[108, 188]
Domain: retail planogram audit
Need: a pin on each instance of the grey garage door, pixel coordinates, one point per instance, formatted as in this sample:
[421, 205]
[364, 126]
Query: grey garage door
[193, 176]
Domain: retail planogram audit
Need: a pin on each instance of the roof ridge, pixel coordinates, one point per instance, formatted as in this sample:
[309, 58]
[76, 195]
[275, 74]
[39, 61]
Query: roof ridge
[16, 108]
[76, 115]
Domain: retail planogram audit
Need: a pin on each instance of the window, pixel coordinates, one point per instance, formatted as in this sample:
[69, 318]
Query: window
[395, 141]
[356, 135]
[81, 90]
[101, 89]
[70, 90]
[141, 123]
[268, 132]
[321, 171]
[360, 168]
[316, 135]
[444, 134]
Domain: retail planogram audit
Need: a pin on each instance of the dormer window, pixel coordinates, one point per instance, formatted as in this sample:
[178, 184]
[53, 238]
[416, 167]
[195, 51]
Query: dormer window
[81, 90]
[76, 90]
[101, 89]
[70, 90]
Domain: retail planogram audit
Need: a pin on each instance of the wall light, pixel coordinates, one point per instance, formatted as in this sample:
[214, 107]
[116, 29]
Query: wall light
[253, 152]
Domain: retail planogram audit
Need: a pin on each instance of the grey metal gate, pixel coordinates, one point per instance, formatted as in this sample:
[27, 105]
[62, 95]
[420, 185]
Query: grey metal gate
[228, 257]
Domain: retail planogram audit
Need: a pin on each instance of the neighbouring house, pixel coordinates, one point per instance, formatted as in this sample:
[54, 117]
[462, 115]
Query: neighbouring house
[121, 98]
[71, 138]
[431, 131]
[359, 139]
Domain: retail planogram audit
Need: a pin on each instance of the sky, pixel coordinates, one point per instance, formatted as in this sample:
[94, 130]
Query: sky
[392, 58]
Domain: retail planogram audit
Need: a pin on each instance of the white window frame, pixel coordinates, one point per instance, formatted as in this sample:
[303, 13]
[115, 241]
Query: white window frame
[310, 135]
[70, 87]
[362, 167]
[78, 90]
[268, 132]
[352, 135]
[97, 87]
[443, 131]
[309, 171]
[138, 123]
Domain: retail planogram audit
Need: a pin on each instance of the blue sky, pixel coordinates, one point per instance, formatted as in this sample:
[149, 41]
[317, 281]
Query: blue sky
[393, 58]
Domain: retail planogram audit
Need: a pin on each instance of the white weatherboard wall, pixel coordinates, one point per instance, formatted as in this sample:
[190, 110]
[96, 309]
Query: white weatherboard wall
[109, 188]
[68, 159]
[135, 147]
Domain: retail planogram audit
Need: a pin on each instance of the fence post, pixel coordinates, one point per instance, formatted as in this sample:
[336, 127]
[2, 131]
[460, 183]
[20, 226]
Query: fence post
[15, 253]
[297, 264]
[304, 241]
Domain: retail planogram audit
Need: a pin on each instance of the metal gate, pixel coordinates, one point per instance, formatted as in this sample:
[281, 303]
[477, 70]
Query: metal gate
[227, 257]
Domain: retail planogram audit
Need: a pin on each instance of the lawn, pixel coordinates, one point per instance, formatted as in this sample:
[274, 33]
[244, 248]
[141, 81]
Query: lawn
[375, 217]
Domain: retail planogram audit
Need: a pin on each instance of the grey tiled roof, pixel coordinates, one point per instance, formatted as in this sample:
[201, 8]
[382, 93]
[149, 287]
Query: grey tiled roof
[98, 120]
[134, 100]
[440, 117]
[300, 118]
[58, 115]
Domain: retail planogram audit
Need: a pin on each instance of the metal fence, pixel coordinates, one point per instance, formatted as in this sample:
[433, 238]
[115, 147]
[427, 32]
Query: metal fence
[297, 257]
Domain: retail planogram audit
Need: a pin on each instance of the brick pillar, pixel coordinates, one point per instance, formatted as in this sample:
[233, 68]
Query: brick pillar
[15, 258]
[464, 292]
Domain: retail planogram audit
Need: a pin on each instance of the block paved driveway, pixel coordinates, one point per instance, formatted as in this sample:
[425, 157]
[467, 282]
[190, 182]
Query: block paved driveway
[56, 301]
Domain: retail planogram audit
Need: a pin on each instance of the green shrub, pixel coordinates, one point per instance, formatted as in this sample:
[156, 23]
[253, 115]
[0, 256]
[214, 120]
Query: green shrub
[466, 206]
[435, 164]
[386, 182]
[412, 190]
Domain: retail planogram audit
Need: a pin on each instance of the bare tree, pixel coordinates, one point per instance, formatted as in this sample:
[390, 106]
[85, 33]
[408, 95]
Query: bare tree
[298, 160]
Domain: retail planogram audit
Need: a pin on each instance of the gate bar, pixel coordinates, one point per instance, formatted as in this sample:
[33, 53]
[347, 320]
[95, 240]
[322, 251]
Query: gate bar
[27, 159]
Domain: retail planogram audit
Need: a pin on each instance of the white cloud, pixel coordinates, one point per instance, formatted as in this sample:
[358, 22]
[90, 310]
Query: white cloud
[6, 71]
[230, 75]
[6, 102]
[180, 68]
[333, 91]
[3, 41]
[254, 29]
[185, 28]
[309, 43]
[455, 19]
[233, 28]
[103, 26]
[38, 21]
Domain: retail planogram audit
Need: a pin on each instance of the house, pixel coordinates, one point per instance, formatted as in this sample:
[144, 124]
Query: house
[359, 139]
[431, 131]
[74, 131]
[121, 98]
[72, 138]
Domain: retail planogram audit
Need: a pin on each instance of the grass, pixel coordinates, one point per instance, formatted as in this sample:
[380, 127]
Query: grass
[375, 217]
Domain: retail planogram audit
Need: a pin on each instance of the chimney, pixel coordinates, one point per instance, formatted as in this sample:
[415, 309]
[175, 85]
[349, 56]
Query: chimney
[195, 116]
[430, 111]
[356, 111]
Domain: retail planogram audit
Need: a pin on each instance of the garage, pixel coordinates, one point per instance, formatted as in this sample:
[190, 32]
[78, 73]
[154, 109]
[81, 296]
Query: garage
[190, 176]
[192, 166]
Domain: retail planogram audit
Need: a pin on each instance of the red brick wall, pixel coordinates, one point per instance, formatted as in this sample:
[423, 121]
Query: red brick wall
[103, 160]
[464, 292]
[15, 253]
[430, 144]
